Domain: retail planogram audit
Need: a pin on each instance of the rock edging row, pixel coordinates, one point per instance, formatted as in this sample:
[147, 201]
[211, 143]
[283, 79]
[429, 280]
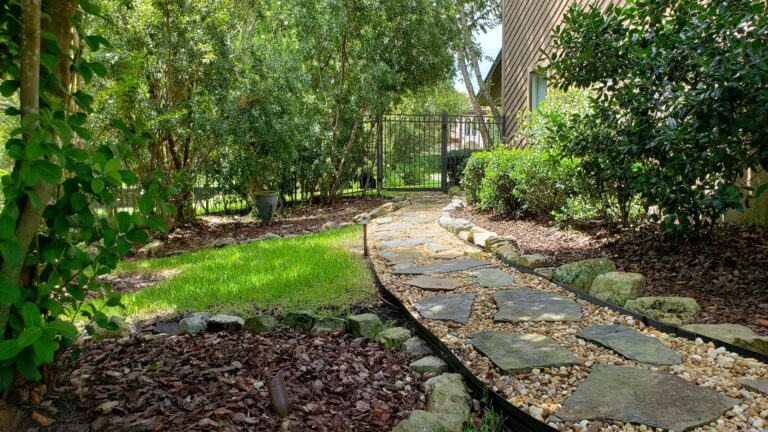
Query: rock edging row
[597, 281]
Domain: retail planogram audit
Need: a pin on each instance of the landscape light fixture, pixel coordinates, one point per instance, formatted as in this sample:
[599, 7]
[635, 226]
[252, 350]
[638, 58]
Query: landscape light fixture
[364, 221]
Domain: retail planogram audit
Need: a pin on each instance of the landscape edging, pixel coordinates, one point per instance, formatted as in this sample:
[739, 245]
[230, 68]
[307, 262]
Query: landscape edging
[648, 321]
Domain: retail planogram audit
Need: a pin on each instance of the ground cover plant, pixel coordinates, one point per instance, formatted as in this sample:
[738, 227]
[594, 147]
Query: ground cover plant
[309, 272]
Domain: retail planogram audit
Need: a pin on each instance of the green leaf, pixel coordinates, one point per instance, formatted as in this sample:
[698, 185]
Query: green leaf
[31, 314]
[9, 87]
[129, 178]
[145, 203]
[123, 221]
[12, 252]
[28, 367]
[9, 349]
[77, 154]
[44, 350]
[48, 171]
[78, 201]
[49, 61]
[97, 185]
[65, 328]
[761, 190]
[29, 336]
[9, 291]
[99, 68]
[157, 223]
[137, 236]
[6, 377]
[7, 227]
[113, 165]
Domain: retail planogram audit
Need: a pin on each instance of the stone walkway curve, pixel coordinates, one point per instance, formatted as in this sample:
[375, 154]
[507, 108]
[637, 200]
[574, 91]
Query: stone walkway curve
[566, 362]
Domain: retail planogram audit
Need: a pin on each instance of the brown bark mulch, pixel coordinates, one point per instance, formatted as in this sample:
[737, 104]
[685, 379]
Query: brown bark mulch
[295, 219]
[727, 275]
[218, 381]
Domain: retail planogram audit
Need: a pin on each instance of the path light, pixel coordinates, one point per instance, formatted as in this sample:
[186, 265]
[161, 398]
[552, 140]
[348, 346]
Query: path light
[364, 221]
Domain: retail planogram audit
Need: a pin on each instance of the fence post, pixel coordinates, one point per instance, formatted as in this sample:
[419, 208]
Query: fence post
[444, 154]
[503, 128]
[379, 151]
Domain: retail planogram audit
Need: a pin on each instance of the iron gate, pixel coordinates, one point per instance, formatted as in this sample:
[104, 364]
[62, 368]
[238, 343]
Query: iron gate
[412, 150]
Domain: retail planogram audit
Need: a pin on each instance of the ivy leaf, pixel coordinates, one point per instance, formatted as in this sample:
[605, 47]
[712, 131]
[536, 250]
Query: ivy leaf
[48, 171]
[9, 348]
[29, 336]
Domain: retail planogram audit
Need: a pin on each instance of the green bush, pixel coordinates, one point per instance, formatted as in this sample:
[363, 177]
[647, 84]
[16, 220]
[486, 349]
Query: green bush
[474, 171]
[457, 161]
[518, 182]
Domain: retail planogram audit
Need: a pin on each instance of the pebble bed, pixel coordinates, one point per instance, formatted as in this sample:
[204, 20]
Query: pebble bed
[542, 392]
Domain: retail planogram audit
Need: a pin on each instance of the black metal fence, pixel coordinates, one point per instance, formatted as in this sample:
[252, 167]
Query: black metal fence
[412, 149]
[398, 152]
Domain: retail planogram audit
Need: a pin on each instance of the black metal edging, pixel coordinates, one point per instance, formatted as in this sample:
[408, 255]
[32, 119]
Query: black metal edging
[648, 321]
[514, 418]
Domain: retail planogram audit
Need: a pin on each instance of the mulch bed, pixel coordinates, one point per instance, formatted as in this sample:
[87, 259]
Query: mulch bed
[727, 275]
[218, 381]
[296, 219]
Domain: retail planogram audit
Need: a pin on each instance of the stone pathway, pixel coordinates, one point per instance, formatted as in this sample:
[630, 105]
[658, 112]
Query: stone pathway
[569, 363]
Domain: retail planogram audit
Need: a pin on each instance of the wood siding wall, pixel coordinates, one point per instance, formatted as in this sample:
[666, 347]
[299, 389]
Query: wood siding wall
[527, 28]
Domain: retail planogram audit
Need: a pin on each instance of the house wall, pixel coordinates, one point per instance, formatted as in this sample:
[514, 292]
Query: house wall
[527, 28]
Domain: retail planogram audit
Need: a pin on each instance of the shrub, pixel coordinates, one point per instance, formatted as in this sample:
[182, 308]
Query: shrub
[678, 86]
[457, 161]
[473, 174]
[498, 185]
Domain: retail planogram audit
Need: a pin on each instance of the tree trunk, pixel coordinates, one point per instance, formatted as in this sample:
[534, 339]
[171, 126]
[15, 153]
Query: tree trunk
[482, 89]
[471, 93]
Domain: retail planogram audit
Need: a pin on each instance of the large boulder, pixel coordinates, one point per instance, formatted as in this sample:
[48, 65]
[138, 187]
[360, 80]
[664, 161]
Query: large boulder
[194, 323]
[362, 324]
[532, 261]
[618, 287]
[151, 249]
[429, 364]
[508, 253]
[221, 322]
[447, 394]
[494, 242]
[325, 326]
[394, 337]
[304, 320]
[260, 324]
[581, 274]
[481, 238]
[671, 310]
[733, 334]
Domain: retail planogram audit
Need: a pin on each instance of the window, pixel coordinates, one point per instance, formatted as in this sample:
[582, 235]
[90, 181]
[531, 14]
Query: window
[537, 90]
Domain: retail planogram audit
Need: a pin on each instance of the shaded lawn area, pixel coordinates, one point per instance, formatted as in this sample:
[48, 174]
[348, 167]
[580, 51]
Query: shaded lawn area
[313, 272]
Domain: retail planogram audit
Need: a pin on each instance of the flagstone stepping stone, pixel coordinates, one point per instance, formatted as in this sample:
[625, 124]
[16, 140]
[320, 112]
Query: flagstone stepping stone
[631, 344]
[435, 284]
[492, 278]
[756, 385]
[521, 353]
[444, 267]
[447, 307]
[418, 219]
[401, 256]
[402, 243]
[439, 247]
[383, 220]
[384, 236]
[430, 234]
[633, 395]
[532, 305]
[396, 227]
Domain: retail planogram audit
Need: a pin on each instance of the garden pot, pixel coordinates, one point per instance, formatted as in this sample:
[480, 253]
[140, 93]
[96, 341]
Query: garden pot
[266, 204]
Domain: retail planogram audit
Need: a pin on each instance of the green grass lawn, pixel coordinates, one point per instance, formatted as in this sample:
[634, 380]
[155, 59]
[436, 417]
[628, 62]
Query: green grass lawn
[313, 272]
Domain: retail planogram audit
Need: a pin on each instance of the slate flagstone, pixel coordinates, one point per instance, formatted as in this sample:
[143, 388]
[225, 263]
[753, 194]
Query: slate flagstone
[492, 278]
[631, 344]
[402, 243]
[396, 227]
[401, 256]
[435, 284]
[447, 307]
[532, 305]
[521, 353]
[443, 267]
[634, 395]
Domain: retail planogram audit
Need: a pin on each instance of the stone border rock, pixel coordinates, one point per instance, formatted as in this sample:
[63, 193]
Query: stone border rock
[507, 250]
